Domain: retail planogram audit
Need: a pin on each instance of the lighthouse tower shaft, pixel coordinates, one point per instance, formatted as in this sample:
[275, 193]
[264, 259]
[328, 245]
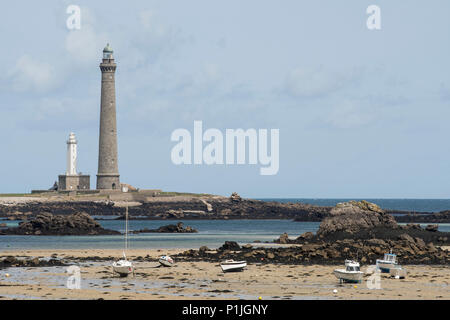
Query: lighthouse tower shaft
[108, 169]
[71, 155]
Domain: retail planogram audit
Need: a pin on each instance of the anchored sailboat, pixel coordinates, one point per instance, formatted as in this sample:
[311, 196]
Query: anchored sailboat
[124, 267]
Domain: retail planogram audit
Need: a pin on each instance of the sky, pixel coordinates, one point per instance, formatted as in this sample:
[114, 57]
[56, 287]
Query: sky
[361, 113]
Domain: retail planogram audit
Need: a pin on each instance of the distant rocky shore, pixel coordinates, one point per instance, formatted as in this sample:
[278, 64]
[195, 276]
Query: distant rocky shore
[161, 208]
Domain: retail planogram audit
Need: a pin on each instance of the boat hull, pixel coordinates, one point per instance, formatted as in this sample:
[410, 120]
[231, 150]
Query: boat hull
[123, 268]
[349, 277]
[233, 267]
[385, 267]
[165, 262]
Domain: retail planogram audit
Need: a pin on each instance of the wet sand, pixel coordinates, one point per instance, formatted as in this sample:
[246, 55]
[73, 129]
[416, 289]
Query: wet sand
[204, 280]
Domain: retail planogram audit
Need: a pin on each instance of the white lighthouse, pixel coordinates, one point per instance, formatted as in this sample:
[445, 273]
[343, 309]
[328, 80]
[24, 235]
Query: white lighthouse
[71, 155]
[72, 180]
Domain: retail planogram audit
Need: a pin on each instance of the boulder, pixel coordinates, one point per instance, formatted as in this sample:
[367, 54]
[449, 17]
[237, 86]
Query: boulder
[230, 245]
[284, 239]
[406, 237]
[351, 217]
[432, 227]
[235, 197]
[306, 236]
[171, 228]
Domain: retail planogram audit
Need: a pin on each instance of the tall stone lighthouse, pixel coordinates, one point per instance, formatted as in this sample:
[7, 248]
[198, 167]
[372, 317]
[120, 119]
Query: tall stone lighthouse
[108, 169]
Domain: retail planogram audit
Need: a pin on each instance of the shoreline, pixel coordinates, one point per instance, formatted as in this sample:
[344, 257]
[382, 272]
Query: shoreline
[205, 280]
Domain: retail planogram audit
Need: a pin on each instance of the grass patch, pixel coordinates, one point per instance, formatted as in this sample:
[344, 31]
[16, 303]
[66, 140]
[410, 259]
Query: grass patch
[167, 194]
[4, 195]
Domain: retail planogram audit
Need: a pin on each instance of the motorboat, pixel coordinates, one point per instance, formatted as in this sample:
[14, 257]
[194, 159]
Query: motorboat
[232, 265]
[166, 261]
[389, 261]
[351, 273]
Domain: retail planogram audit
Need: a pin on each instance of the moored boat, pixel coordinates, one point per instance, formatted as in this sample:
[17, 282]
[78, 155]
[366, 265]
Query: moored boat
[123, 267]
[388, 262]
[351, 273]
[232, 266]
[166, 261]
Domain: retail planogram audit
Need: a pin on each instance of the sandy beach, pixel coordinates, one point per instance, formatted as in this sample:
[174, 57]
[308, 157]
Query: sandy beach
[205, 280]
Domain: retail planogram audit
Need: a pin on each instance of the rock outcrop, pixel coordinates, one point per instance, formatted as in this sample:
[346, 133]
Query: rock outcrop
[171, 228]
[235, 197]
[49, 224]
[362, 220]
[11, 261]
[351, 217]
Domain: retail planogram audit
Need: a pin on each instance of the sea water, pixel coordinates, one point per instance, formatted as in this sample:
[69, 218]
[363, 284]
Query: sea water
[212, 233]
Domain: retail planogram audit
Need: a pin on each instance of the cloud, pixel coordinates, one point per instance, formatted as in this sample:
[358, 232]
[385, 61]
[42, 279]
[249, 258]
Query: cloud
[350, 114]
[83, 45]
[316, 83]
[29, 74]
[57, 113]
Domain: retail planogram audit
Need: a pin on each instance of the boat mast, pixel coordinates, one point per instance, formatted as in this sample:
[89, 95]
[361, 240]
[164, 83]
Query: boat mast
[126, 227]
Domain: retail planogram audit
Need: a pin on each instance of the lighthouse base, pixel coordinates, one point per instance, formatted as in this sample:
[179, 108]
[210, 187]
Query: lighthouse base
[108, 181]
[74, 182]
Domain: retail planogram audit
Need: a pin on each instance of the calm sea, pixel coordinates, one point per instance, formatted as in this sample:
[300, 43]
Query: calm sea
[418, 205]
[212, 233]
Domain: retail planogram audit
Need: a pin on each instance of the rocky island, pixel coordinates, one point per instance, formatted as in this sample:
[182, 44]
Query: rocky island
[48, 224]
[171, 228]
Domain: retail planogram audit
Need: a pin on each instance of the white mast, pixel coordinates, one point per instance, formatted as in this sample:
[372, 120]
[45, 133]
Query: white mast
[71, 155]
[126, 228]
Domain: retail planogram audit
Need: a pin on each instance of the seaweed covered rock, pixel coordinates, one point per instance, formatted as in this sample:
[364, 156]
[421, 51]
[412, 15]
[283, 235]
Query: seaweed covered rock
[171, 228]
[408, 250]
[49, 224]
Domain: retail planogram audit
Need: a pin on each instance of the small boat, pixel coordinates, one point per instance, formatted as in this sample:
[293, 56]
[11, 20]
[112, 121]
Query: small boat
[232, 266]
[397, 272]
[389, 261]
[351, 273]
[124, 267]
[166, 261]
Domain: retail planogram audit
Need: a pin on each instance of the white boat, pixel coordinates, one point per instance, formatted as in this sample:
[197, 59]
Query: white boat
[351, 273]
[389, 261]
[166, 261]
[124, 267]
[397, 272]
[231, 265]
